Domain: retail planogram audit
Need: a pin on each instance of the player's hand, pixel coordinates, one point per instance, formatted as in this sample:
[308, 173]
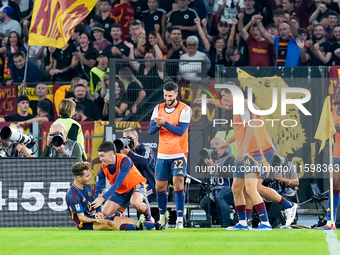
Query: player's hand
[125, 150]
[160, 121]
[240, 156]
[98, 202]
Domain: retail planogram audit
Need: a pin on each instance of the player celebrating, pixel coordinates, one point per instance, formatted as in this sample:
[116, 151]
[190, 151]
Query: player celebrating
[79, 199]
[127, 183]
[172, 120]
[248, 165]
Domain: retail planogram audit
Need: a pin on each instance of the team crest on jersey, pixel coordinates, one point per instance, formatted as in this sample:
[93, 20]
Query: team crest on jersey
[155, 17]
[89, 194]
[186, 16]
[107, 25]
[77, 207]
[186, 108]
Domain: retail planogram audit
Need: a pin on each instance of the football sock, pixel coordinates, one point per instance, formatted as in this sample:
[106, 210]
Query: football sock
[127, 227]
[162, 200]
[242, 216]
[261, 210]
[147, 214]
[285, 204]
[249, 213]
[179, 201]
[336, 197]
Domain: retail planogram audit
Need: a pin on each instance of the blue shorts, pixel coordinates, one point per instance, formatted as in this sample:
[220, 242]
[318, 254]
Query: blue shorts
[336, 161]
[124, 199]
[167, 167]
[251, 164]
[265, 170]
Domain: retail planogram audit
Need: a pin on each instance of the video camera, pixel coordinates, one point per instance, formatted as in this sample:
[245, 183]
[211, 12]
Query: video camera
[122, 143]
[12, 135]
[57, 139]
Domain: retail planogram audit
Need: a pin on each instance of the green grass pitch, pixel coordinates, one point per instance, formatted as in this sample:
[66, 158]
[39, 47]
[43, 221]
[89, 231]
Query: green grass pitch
[187, 241]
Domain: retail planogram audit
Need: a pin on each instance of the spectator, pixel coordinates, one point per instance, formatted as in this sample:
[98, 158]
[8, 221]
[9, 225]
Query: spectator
[249, 11]
[134, 91]
[124, 14]
[217, 203]
[227, 9]
[216, 52]
[272, 29]
[84, 59]
[74, 82]
[79, 114]
[143, 158]
[138, 7]
[261, 51]
[69, 148]
[119, 48]
[332, 22]
[73, 128]
[48, 61]
[106, 18]
[300, 11]
[100, 42]
[183, 18]
[13, 45]
[8, 24]
[34, 74]
[222, 28]
[321, 46]
[25, 7]
[41, 91]
[43, 115]
[320, 15]
[287, 50]
[75, 36]
[296, 22]
[16, 15]
[103, 99]
[191, 71]
[22, 115]
[154, 44]
[62, 60]
[233, 57]
[137, 33]
[278, 17]
[91, 110]
[153, 16]
[97, 72]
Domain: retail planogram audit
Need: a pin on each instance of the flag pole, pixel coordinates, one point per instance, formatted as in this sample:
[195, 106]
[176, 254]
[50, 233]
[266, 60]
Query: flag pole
[331, 178]
[25, 72]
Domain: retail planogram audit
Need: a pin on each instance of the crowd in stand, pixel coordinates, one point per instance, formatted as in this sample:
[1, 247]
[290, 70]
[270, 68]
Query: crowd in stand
[215, 32]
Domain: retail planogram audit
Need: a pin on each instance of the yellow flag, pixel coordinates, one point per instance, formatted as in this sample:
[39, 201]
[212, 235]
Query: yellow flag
[326, 126]
[53, 21]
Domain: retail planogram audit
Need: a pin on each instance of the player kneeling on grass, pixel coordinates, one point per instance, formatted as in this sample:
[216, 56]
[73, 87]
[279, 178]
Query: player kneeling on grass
[79, 203]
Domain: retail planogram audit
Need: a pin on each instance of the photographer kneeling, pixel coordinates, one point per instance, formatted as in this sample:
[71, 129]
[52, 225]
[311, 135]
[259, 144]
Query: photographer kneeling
[217, 202]
[58, 146]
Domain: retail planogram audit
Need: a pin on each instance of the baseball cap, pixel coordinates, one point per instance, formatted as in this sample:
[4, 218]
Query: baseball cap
[223, 23]
[101, 54]
[98, 27]
[7, 9]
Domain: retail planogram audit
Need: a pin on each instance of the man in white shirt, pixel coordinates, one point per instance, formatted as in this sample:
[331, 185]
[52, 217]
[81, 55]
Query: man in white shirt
[8, 24]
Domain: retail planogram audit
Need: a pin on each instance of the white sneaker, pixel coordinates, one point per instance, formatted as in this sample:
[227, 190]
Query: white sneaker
[179, 225]
[290, 214]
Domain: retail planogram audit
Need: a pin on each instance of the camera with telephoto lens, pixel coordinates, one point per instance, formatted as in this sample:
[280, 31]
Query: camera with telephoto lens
[122, 143]
[14, 136]
[208, 153]
[57, 139]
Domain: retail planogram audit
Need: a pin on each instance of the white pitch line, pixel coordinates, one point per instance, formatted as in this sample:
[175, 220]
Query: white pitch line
[333, 242]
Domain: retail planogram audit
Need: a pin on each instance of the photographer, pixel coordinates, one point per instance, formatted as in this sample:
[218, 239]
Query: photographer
[221, 197]
[143, 158]
[13, 150]
[59, 146]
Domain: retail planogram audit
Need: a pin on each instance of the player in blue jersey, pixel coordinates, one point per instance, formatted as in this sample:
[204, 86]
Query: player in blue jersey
[79, 203]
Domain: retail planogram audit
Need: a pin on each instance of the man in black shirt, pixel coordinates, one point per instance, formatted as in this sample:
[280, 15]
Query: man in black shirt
[184, 19]
[153, 16]
[62, 59]
[23, 115]
[91, 110]
[138, 6]
[106, 19]
[119, 48]
[42, 116]
[41, 91]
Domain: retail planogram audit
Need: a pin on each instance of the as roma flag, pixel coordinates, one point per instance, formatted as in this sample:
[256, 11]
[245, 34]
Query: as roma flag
[53, 21]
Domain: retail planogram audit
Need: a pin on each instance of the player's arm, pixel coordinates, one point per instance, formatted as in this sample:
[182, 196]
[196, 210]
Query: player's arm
[153, 127]
[177, 130]
[100, 182]
[124, 170]
[85, 219]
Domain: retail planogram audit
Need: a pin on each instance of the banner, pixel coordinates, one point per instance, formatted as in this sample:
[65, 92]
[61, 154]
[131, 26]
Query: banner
[8, 99]
[59, 92]
[53, 21]
[32, 192]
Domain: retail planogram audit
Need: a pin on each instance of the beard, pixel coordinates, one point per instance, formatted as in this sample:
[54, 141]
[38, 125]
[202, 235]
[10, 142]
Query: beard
[80, 99]
[171, 103]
